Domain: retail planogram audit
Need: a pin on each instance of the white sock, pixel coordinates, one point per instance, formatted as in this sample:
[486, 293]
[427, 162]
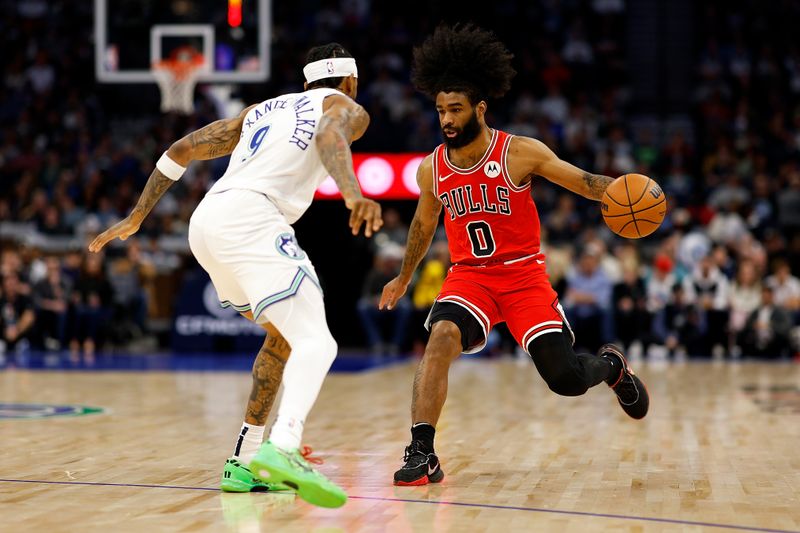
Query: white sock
[249, 441]
[287, 432]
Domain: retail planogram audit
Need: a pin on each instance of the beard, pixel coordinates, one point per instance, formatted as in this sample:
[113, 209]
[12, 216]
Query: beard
[464, 135]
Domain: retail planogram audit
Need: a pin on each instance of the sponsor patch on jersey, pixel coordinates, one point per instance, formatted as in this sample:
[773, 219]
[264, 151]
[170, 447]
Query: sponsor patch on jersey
[288, 247]
[492, 169]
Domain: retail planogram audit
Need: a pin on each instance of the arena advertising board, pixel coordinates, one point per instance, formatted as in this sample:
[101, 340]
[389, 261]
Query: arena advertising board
[382, 176]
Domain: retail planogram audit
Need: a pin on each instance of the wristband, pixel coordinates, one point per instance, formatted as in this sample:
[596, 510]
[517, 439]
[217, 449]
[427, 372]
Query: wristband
[167, 166]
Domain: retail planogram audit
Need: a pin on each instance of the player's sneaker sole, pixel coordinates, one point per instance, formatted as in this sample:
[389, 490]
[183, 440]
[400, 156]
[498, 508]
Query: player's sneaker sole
[436, 477]
[236, 477]
[274, 465]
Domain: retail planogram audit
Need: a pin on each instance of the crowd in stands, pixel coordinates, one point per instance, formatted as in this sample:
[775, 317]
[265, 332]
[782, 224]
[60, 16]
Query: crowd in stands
[718, 278]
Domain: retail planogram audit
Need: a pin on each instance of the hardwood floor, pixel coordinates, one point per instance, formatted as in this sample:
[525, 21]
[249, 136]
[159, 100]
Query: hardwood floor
[719, 450]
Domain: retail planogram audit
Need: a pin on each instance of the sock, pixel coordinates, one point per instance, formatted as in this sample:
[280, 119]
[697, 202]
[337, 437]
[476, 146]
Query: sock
[287, 432]
[424, 432]
[249, 440]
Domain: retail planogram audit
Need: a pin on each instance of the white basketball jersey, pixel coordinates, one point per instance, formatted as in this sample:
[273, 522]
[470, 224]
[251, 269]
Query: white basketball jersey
[277, 152]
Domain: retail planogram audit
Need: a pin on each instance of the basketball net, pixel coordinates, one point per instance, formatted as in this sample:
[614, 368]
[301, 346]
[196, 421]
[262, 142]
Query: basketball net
[177, 77]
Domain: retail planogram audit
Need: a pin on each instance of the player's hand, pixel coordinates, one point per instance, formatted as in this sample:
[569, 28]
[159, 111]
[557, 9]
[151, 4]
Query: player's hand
[367, 212]
[392, 292]
[122, 230]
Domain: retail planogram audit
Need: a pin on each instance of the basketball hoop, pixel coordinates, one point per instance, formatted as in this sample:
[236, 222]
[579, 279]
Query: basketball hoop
[177, 76]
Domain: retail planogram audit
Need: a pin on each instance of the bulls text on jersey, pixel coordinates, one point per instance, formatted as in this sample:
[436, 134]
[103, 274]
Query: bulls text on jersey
[465, 199]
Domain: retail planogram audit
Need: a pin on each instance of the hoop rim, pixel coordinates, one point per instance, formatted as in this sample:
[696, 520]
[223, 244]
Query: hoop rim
[182, 68]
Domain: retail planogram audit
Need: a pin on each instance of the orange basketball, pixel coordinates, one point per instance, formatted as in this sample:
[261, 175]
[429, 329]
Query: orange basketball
[633, 206]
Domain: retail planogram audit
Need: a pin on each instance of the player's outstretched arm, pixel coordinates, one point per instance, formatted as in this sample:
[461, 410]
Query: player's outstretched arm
[215, 140]
[343, 121]
[420, 235]
[530, 157]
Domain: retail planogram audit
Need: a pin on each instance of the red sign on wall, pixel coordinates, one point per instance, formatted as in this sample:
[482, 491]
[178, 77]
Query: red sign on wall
[382, 177]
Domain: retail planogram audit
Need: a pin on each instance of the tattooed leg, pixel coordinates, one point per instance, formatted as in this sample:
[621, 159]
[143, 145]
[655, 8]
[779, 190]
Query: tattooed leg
[267, 374]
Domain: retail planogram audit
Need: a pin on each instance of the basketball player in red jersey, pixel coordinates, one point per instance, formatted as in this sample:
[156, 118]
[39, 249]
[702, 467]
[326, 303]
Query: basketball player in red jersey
[482, 177]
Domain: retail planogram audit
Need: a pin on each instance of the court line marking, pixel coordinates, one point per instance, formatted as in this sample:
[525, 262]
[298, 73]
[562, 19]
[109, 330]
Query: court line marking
[439, 502]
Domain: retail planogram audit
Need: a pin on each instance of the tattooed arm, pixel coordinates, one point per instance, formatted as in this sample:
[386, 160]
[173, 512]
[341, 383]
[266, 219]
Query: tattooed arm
[529, 158]
[344, 121]
[420, 235]
[215, 140]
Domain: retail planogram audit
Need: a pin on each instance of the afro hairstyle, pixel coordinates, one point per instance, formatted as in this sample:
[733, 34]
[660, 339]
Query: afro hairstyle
[463, 58]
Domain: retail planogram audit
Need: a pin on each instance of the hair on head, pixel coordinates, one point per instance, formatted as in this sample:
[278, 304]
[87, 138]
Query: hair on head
[326, 51]
[463, 58]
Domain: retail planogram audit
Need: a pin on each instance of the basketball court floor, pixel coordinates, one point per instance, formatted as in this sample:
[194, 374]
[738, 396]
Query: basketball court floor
[143, 450]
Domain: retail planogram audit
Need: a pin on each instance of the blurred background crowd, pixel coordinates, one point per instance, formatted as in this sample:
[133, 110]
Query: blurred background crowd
[707, 102]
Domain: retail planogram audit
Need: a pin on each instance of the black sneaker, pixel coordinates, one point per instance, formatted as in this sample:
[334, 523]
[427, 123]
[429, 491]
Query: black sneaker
[631, 392]
[421, 468]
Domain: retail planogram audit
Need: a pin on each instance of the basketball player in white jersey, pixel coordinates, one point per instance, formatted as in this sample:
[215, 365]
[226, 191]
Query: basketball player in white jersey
[281, 150]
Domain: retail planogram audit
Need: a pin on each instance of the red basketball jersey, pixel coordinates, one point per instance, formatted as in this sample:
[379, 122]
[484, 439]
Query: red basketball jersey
[487, 218]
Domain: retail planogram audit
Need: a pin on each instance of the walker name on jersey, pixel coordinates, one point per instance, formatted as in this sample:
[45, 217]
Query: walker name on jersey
[465, 199]
[303, 127]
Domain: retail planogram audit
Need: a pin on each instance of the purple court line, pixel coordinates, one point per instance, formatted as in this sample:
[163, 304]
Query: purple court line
[438, 502]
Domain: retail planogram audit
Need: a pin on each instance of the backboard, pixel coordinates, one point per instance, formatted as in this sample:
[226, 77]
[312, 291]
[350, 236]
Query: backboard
[132, 35]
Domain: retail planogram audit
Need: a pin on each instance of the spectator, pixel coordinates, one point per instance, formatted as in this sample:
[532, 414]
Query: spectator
[91, 303]
[745, 297]
[129, 274]
[766, 332]
[631, 319]
[683, 327]
[51, 297]
[386, 267]
[427, 287]
[562, 223]
[588, 299]
[392, 232]
[785, 287]
[709, 290]
[16, 315]
[659, 293]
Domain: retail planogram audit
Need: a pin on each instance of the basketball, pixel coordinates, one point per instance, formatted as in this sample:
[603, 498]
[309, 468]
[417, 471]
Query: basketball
[633, 206]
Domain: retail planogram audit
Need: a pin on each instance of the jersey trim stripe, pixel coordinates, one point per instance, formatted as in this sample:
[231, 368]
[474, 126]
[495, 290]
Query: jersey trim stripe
[539, 334]
[436, 172]
[541, 328]
[518, 259]
[472, 309]
[299, 276]
[240, 308]
[477, 165]
[504, 167]
[566, 322]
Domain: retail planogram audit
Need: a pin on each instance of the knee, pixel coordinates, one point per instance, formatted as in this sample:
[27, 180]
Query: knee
[330, 346]
[318, 344]
[445, 342]
[566, 384]
[552, 355]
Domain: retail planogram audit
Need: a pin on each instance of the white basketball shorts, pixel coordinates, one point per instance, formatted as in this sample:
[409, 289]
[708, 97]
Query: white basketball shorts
[249, 250]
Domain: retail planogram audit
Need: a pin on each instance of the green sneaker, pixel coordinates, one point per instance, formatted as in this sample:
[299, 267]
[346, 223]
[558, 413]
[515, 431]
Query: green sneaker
[292, 469]
[237, 478]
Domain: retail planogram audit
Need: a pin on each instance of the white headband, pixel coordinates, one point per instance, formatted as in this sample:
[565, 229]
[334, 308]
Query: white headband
[335, 67]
